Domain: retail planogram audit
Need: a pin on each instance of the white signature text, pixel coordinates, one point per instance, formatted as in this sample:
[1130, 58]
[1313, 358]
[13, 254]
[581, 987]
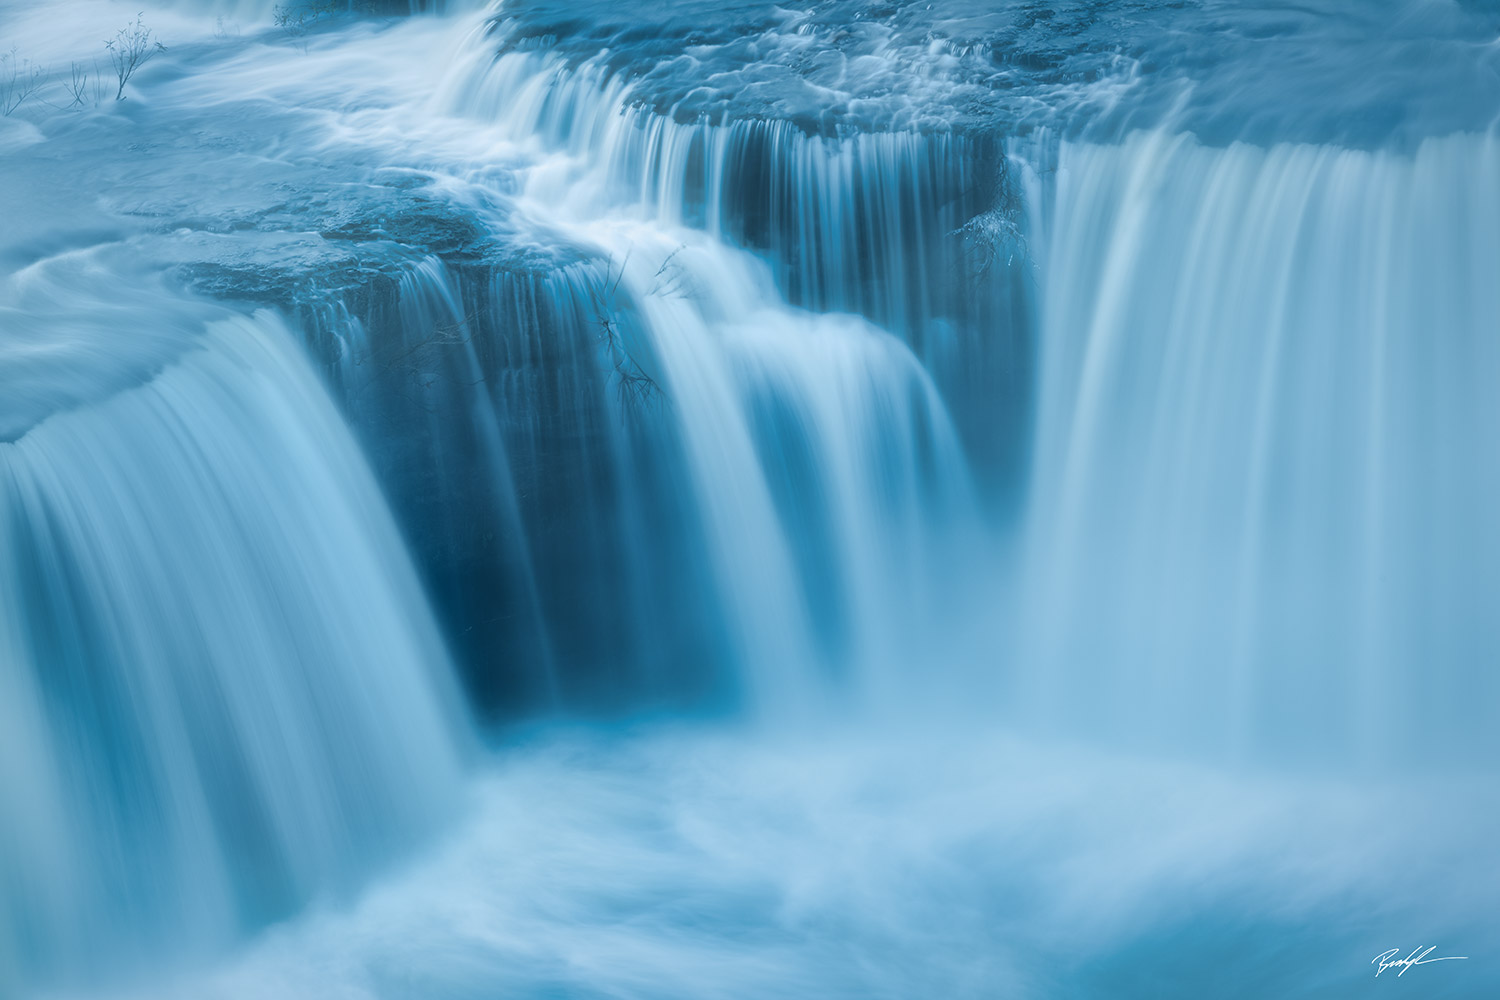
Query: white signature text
[1388, 960]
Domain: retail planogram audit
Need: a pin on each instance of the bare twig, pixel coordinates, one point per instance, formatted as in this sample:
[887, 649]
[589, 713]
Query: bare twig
[635, 386]
[670, 278]
[131, 48]
[76, 86]
[20, 79]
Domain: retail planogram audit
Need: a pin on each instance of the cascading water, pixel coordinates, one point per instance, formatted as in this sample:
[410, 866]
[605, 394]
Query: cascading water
[921, 498]
[860, 223]
[1262, 458]
[222, 689]
[819, 454]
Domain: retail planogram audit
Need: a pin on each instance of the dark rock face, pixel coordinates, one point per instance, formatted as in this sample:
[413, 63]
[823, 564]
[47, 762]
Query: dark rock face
[526, 479]
[536, 472]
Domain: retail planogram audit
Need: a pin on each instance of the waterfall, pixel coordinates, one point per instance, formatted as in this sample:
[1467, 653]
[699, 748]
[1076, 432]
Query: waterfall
[1082, 313]
[1262, 492]
[896, 225]
[222, 692]
[821, 458]
[632, 471]
[600, 498]
[764, 498]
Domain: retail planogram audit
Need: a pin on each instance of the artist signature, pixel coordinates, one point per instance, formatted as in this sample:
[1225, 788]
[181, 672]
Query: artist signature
[1418, 956]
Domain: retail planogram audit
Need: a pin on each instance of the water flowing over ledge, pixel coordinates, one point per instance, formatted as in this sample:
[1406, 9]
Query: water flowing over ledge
[914, 230]
[579, 409]
[236, 733]
[820, 371]
[1266, 375]
[1110, 407]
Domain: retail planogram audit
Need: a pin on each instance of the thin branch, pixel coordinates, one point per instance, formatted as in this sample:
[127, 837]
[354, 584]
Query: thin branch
[20, 79]
[131, 48]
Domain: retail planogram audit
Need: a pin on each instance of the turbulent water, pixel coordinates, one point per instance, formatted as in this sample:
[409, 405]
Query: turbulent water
[578, 499]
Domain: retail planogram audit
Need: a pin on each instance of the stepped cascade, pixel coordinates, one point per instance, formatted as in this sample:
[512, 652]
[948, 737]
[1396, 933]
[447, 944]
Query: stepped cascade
[566, 498]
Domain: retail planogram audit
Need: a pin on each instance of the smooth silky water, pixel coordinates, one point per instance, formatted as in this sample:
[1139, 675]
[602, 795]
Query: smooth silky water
[818, 500]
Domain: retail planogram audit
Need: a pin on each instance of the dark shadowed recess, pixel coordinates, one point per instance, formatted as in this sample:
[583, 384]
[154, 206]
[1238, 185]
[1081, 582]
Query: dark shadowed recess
[522, 471]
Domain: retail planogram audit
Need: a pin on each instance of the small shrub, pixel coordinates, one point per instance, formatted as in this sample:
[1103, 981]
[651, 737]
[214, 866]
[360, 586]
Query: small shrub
[131, 48]
[20, 79]
[77, 89]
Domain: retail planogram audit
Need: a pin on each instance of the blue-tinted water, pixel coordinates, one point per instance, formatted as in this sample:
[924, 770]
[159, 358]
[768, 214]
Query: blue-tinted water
[747, 500]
